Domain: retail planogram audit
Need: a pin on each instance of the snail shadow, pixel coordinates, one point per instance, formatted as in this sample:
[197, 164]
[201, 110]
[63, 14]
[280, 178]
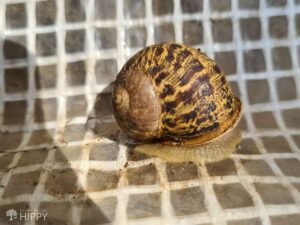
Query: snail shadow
[101, 119]
[33, 164]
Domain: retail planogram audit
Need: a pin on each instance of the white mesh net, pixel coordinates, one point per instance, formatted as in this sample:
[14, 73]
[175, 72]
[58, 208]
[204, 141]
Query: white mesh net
[59, 148]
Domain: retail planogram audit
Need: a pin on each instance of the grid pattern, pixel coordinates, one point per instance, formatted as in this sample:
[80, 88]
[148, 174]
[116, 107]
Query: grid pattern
[61, 151]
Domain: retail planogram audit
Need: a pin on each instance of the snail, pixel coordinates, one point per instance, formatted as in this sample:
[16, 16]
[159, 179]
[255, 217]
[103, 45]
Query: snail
[175, 95]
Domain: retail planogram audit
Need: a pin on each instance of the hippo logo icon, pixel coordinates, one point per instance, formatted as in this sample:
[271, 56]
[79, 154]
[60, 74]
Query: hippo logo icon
[12, 214]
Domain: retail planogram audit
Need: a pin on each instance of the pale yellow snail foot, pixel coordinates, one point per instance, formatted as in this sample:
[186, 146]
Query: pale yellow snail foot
[213, 151]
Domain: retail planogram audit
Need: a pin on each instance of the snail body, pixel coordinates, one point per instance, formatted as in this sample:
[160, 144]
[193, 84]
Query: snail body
[209, 152]
[175, 94]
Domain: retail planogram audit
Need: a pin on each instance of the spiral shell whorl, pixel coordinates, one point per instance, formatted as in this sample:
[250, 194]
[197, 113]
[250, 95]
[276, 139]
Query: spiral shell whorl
[132, 95]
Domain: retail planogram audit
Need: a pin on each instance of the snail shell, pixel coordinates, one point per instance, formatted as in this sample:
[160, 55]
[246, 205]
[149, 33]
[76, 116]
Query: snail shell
[174, 93]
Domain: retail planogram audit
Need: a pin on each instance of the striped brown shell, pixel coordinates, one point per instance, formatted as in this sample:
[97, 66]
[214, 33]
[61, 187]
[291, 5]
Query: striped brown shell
[173, 92]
